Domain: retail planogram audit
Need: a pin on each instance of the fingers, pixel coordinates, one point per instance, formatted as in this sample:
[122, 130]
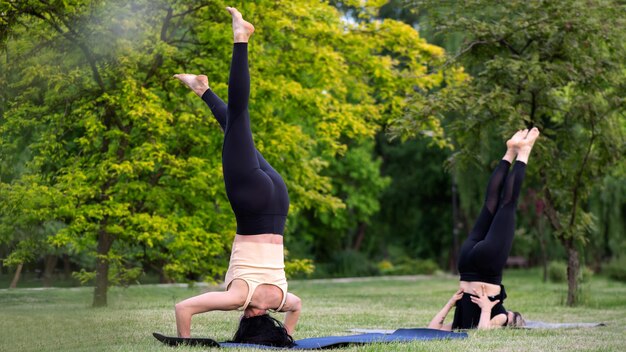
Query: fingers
[483, 289]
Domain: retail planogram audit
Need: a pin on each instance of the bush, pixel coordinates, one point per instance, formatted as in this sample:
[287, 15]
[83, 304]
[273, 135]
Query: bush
[408, 267]
[616, 269]
[557, 271]
[585, 274]
[350, 263]
[299, 268]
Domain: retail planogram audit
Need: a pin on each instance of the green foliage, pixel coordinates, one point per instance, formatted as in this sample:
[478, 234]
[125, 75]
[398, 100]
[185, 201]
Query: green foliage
[616, 268]
[348, 263]
[557, 271]
[415, 209]
[130, 167]
[586, 274]
[118, 276]
[607, 202]
[540, 63]
[299, 268]
[408, 266]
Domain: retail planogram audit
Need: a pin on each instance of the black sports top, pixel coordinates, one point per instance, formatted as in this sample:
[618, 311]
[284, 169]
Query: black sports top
[467, 313]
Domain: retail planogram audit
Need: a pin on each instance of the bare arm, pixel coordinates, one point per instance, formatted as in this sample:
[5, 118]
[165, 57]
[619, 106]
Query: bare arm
[486, 305]
[229, 300]
[293, 306]
[437, 322]
[486, 322]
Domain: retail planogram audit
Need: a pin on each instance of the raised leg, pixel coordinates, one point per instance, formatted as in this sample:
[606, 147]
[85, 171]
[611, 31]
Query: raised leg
[492, 252]
[220, 111]
[492, 198]
[199, 84]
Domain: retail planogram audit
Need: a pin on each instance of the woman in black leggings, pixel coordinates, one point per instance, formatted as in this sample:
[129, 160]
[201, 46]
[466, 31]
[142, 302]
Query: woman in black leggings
[255, 279]
[484, 253]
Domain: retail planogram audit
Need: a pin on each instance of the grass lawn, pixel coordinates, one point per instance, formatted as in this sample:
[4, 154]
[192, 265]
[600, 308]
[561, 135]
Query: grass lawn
[61, 319]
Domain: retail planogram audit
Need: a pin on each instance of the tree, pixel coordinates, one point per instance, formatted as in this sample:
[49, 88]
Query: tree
[89, 100]
[558, 65]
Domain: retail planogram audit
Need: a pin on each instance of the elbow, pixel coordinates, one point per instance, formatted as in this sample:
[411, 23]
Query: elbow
[179, 309]
[297, 304]
[178, 306]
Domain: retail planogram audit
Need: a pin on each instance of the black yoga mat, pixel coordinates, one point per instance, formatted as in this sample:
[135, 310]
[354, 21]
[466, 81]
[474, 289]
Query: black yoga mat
[327, 342]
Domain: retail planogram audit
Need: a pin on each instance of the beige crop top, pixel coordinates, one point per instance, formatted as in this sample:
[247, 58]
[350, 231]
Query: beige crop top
[257, 264]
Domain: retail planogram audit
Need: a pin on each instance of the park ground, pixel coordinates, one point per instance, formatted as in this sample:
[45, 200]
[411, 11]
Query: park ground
[61, 319]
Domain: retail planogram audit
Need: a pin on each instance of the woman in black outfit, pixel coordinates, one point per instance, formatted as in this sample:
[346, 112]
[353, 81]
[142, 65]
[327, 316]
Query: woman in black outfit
[484, 253]
[258, 195]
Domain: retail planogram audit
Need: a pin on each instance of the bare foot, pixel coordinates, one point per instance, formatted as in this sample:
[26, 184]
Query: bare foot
[198, 83]
[529, 141]
[526, 145]
[514, 142]
[242, 29]
[512, 145]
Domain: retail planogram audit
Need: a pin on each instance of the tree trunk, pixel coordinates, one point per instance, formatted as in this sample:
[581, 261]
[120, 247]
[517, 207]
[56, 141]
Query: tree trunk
[16, 276]
[105, 240]
[544, 251]
[164, 279]
[573, 266]
[67, 269]
[50, 263]
[360, 235]
[457, 226]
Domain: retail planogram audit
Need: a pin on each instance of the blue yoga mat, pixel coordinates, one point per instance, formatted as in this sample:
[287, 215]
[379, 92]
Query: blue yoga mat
[327, 342]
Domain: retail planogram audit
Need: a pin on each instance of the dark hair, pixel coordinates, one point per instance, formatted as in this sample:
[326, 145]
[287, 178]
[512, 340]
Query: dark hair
[262, 330]
[517, 321]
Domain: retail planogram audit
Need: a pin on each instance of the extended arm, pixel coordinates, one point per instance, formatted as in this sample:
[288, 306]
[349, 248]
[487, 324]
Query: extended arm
[293, 306]
[437, 321]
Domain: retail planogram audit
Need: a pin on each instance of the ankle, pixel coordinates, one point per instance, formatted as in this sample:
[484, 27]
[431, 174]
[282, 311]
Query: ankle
[510, 155]
[523, 154]
[241, 38]
[200, 91]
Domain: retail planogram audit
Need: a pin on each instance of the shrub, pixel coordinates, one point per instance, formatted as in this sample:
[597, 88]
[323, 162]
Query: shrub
[585, 274]
[557, 271]
[408, 267]
[616, 269]
[350, 263]
[299, 268]
[385, 267]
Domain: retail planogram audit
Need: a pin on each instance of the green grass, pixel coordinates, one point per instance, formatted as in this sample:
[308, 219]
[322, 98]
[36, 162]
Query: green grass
[61, 319]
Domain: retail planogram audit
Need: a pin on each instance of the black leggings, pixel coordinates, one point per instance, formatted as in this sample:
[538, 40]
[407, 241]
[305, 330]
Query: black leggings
[257, 193]
[484, 252]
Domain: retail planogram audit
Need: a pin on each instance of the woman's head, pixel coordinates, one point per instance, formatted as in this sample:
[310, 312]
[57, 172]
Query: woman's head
[262, 330]
[515, 319]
